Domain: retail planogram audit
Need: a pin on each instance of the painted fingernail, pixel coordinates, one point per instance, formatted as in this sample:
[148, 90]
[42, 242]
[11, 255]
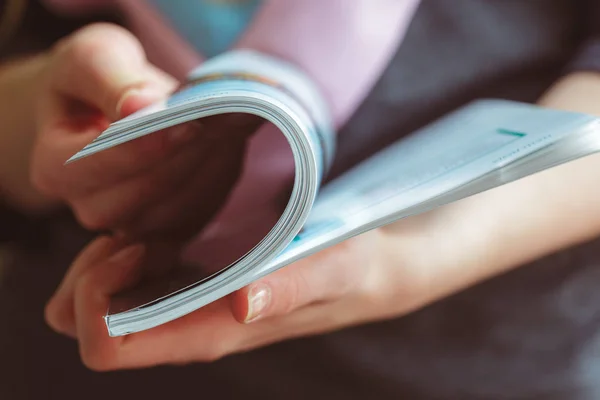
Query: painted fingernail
[128, 254]
[259, 297]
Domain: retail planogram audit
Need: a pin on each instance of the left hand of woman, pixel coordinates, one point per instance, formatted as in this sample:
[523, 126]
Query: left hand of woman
[330, 290]
[381, 274]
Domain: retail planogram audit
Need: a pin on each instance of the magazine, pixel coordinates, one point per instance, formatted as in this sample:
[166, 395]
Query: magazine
[482, 145]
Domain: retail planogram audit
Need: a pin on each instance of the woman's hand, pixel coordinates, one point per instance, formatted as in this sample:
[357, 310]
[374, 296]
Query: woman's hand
[330, 290]
[167, 184]
[384, 273]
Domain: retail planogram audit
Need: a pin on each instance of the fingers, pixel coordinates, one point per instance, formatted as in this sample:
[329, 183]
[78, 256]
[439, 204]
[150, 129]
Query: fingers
[80, 304]
[107, 169]
[59, 312]
[92, 294]
[331, 298]
[184, 212]
[97, 75]
[103, 65]
[98, 210]
[177, 196]
[326, 276]
[205, 335]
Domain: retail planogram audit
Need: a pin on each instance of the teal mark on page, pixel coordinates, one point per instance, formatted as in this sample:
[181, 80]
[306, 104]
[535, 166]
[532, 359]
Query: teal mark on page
[509, 132]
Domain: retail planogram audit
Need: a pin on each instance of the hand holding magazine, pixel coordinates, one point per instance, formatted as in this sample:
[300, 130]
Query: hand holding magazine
[481, 146]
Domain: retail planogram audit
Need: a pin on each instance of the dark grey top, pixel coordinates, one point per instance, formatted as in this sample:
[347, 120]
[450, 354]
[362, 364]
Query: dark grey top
[532, 333]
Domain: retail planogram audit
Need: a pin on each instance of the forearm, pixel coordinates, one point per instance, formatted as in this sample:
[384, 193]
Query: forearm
[463, 243]
[19, 81]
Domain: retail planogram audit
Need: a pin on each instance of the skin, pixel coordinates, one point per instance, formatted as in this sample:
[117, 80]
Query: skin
[147, 189]
[96, 76]
[385, 273]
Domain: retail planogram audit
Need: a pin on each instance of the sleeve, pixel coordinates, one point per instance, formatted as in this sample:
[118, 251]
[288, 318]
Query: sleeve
[587, 58]
[343, 45]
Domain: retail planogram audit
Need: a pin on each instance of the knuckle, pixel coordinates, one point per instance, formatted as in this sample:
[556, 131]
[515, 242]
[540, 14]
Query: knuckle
[290, 296]
[351, 266]
[213, 354]
[41, 180]
[76, 51]
[90, 219]
[95, 357]
[84, 285]
[373, 297]
[96, 360]
[390, 296]
[104, 29]
[41, 177]
[79, 50]
[219, 345]
[91, 38]
[346, 280]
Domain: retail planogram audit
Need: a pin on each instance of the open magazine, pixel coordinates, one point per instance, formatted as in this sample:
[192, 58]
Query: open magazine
[483, 145]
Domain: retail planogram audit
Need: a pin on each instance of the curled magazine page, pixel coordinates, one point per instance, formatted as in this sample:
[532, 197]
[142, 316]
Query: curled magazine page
[483, 145]
[240, 82]
[478, 147]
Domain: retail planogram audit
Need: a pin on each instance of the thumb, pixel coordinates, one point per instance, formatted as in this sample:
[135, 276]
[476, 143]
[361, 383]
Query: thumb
[326, 276]
[104, 66]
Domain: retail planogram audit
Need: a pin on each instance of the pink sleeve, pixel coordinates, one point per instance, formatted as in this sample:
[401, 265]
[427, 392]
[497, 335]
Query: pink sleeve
[344, 45]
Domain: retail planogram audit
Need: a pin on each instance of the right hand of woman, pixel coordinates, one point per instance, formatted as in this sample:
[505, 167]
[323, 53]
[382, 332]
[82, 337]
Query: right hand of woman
[167, 184]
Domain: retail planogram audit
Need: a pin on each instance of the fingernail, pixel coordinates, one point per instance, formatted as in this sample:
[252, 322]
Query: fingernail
[259, 297]
[181, 133]
[128, 254]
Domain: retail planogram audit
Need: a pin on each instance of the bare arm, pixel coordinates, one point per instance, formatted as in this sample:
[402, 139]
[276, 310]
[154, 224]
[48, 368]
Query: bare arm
[501, 229]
